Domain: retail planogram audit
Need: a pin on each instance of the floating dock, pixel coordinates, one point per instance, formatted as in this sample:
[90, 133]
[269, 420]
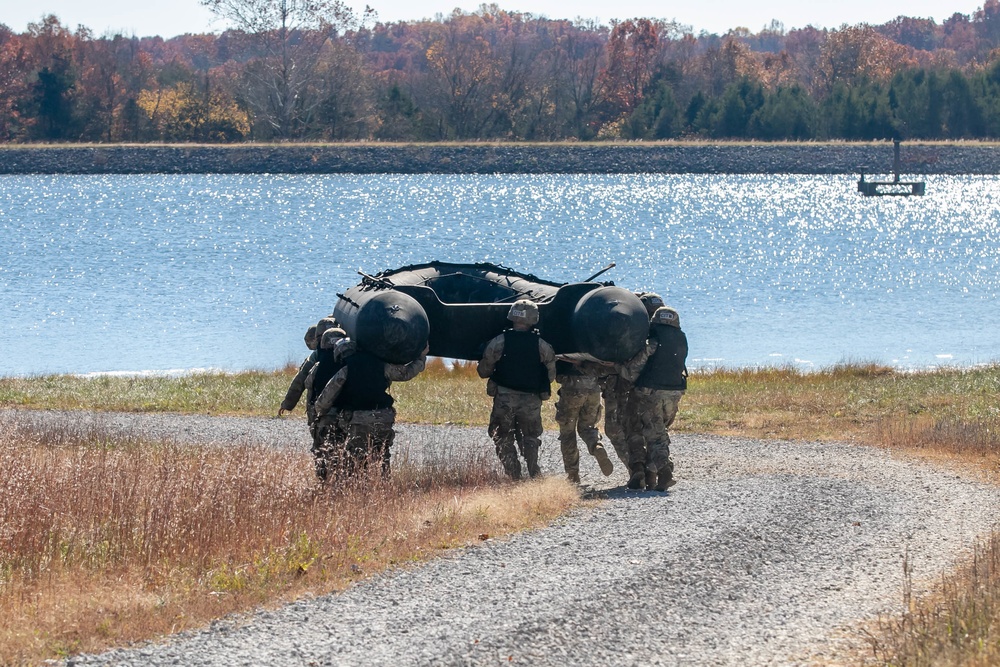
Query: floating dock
[893, 188]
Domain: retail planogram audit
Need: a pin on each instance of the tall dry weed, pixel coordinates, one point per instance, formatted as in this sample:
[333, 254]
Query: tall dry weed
[957, 625]
[106, 538]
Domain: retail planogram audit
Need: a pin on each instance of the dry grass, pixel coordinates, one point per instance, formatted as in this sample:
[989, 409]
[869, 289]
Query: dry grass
[948, 414]
[107, 539]
[251, 392]
[949, 408]
[957, 626]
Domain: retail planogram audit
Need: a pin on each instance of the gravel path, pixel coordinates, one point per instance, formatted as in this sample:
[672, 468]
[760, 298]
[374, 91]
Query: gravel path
[765, 553]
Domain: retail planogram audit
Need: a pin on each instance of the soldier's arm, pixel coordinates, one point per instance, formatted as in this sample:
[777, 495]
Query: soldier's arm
[298, 385]
[404, 372]
[596, 369]
[491, 355]
[548, 357]
[331, 392]
[312, 375]
[632, 368]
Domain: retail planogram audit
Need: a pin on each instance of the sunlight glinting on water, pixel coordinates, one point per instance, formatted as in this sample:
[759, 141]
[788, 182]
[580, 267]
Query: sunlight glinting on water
[165, 272]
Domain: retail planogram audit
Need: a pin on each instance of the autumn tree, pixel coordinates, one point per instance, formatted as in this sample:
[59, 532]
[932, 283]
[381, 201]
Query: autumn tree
[804, 49]
[721, 66]
[461, 70]
[183, 113]
[918, 33]
[479, 70]
[577, 60]
[14, 67]
[986, 21]
[632, 51]
[959, 36]
[859, 53]
[291, 39]
[347, 109]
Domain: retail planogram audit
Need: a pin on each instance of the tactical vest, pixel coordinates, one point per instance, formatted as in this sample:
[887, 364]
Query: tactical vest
[366, 387]
[326, 369]
[666, 369]
[520, 367]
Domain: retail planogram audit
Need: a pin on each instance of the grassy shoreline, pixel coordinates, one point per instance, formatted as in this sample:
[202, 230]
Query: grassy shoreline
[947, 414]
[950, 408]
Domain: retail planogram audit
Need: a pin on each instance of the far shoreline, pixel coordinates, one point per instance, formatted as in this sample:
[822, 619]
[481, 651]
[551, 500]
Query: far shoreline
[680, 157]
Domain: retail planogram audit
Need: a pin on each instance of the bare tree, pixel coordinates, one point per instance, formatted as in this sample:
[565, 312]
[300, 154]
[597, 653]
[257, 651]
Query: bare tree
[291, 39]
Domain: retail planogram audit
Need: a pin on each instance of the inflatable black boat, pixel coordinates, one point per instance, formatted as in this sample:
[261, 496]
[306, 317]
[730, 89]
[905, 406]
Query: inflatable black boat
[457, 308]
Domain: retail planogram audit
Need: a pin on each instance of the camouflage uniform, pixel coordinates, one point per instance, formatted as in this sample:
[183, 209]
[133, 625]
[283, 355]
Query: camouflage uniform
[651, 413]
[325, 430]
[520, 367]
[299, 383]
[615, 390]
[357, 397]
[660, 376]
[578, 410]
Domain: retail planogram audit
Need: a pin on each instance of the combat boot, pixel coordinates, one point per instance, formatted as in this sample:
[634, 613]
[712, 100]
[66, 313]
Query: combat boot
[601, 454]
[531, 458]
[664, 480]
[512, 467]
[638, 479]
[573, 476]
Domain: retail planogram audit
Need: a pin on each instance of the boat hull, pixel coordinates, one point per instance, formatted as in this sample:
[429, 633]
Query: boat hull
[466, 305]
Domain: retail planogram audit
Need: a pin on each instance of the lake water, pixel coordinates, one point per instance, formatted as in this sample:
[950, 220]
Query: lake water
[165, 273]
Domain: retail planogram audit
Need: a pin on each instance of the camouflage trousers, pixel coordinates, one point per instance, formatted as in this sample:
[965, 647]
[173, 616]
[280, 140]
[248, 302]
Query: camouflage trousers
[517, 417]
[649, 414]
[615, 391]
[350, 441]
[577, 412]
[326, 435]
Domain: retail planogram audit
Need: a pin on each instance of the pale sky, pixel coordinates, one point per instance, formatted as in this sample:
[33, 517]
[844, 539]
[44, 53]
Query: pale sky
[175, 17]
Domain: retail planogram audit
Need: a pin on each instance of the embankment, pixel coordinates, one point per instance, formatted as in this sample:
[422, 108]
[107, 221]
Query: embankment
[668, 158]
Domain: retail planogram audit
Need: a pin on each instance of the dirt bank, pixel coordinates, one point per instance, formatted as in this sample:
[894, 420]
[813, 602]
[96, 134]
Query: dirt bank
[937, 158]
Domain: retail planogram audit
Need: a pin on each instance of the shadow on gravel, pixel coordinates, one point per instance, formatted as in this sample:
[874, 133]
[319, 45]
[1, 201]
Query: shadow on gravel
[620, 492]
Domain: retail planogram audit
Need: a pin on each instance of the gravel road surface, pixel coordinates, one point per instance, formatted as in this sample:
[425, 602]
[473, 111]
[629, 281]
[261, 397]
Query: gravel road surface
[765, 553]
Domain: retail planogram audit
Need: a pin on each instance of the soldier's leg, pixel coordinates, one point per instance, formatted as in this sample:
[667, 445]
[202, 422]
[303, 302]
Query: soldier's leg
[653, 433]
[670, 402]
[529, 421]
[383, 435]
[638, 417]
[319, 460]
[336, 456]
[614, 426]
[323, 441]
[586, 423]
[357, 448]
[501, 430]
[567, 411]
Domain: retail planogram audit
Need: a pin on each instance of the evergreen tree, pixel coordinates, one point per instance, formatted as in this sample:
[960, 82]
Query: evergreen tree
[53, 101]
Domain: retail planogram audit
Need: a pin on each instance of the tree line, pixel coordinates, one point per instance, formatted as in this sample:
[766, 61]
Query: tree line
[317, 71]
